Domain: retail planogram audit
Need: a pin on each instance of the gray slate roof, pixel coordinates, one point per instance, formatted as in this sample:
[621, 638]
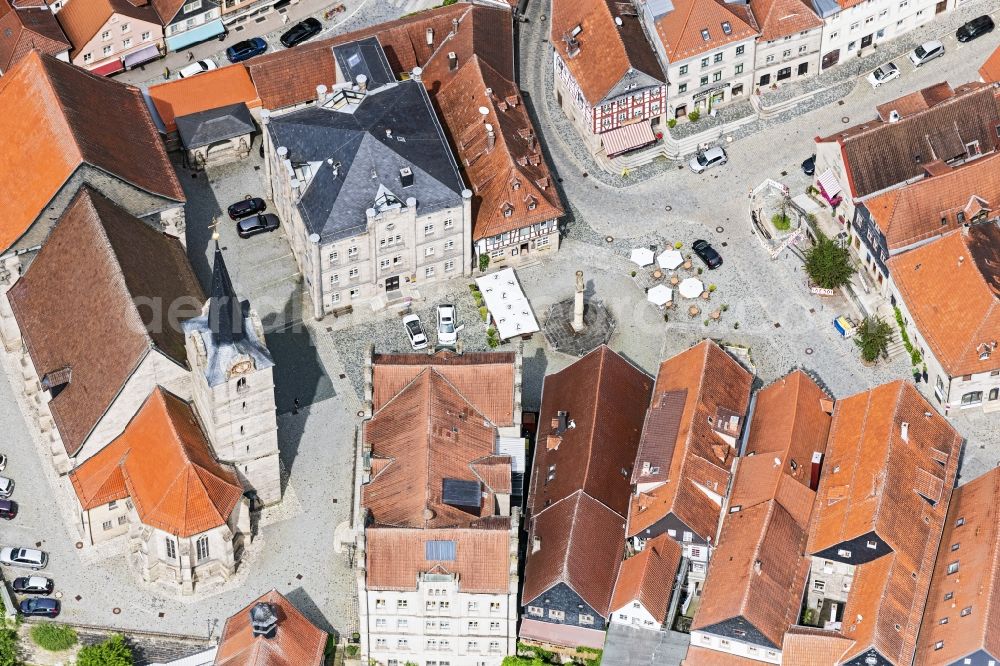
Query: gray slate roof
[206, 127]
[364, 56]
[353, 159]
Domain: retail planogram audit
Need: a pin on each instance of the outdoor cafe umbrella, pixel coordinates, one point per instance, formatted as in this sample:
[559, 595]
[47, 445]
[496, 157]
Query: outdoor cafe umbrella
[670, 259]
[642, 256]
[660, 295]
[691, 288]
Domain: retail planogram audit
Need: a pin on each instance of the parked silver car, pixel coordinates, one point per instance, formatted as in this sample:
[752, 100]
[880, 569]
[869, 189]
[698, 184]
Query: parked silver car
[23, 557]
[707, 159]
[447, 330]
[926, 52]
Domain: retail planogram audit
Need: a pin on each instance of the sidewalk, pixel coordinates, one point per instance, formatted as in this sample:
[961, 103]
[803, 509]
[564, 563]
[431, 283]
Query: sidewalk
[271, 24]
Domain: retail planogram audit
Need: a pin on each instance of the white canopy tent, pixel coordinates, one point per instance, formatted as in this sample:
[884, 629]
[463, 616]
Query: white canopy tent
[642, 256]
[660, 295]
[691, 288]
[670, 259]
[507, 304]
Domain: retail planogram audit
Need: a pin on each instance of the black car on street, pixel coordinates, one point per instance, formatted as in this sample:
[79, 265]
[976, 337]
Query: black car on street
[8, 509]
[977, 27]
[247, 207]
[707, 253]
[258, 224]
[301, 32]
[809, 166]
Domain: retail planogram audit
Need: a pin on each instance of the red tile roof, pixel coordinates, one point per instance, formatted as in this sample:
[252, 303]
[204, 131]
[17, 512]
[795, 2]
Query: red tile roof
[211, 90]
[757, 574]
[298, 642]
[804, 646]
[83, 20]
[64, 117]
[605, 397]
[717, 389]
[427, 433]
[683, 30]
[972, 539]
[930, 207]
[879, 154]
[951, 288]
[27, 28]
[581, 543]
[990, 71]
[163, 462]
[607, 51]
[781, 18]
[881, 476]
[648, 577]
[484, 379]
[395, 557]
[99, 254]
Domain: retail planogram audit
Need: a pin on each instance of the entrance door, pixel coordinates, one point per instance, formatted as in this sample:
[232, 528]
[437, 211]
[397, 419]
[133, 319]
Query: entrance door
[831, 58]
[803, 68]
[524, 248]
[941, 6]
[867, 40]
[391, 284]
[764, 80]
[681, 111]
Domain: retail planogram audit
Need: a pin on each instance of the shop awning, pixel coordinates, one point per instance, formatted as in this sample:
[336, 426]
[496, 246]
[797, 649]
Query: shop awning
[195, 35]
[829, 183]
[108, 68]
[141, 56]
[630, 137]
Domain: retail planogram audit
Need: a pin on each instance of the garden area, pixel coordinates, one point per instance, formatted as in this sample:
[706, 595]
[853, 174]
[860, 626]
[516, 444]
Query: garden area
[532, 655]
[48, 642]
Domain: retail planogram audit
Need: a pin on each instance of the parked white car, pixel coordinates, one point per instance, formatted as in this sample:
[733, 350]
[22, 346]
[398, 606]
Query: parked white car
[23, 557]
[447, 331]
[926, 52]
[6, 487]
[883, 74]
[195, 68]
[3, 462]
[415, 332]
[708, 159]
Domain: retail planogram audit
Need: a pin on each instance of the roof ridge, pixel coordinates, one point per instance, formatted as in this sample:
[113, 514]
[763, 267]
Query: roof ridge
[955, 98]
[603, 351]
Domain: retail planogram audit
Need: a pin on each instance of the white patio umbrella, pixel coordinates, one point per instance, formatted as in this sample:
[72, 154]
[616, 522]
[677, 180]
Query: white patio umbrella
[670, 259]
[691, 288]
[642, 256]
[660, 295]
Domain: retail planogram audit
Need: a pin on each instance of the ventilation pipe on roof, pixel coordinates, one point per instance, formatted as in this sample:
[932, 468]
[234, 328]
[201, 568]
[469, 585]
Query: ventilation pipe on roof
[454, 26]
[430, 36]
[265, 116]
[362, 82]
[894, 116]
[491, 137]
[618, 21]
[452, 61]
[417, 73]
[321, 94]
[904, 431]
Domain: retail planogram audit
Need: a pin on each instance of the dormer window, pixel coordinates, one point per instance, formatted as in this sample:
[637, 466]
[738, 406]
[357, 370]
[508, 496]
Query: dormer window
[54, 382]
[704, 34]
[727, 27]
[515, 184]
[508, 210]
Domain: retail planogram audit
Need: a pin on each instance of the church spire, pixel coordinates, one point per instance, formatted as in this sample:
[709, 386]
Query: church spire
[225, 314]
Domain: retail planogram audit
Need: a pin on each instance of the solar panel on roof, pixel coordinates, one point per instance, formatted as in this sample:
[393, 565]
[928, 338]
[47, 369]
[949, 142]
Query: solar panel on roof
[439, 551]
[461, 493]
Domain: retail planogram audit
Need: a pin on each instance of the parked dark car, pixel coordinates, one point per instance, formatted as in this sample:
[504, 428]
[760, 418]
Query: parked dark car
[39, 607]
[707, 253]
[809, 166]
[977, 27]
[246, 49]
[8, 509]
[33, 585]
[246, 208]
[300, 32]
[258, 224]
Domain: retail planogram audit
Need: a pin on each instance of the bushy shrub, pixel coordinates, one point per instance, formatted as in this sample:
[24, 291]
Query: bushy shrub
[112, 652]
[53, 637]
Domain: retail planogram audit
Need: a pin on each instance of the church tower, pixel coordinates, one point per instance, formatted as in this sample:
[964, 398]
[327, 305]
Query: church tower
[233, 385]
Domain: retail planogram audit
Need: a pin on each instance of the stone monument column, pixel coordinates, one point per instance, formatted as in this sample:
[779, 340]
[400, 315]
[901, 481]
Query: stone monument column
[578, 303]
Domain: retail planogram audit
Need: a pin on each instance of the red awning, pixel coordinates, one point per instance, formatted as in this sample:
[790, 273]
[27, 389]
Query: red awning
[630, 137]
[109, 68]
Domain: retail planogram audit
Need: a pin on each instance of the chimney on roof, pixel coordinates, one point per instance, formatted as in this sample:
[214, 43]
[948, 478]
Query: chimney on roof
[406, 176]
[362, 82]
[452, 61]
[321, 94]
[491, 137]
[814, 470]
[265, 116]
[454, 26]
[904, 431]
[552, 442]
[536, 544]
[562, 422]
[430, 36]
[263, 620]
[417, 73]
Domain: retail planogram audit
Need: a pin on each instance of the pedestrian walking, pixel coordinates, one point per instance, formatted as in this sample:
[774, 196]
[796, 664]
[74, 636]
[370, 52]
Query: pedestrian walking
[296, 404]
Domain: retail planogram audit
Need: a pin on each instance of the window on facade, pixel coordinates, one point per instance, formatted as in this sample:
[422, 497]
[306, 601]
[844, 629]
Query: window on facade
[739, 68]
[352, 251]
[557, 614]
[428, 229]
[122, 519]
[717, 58]
[106, 35]
[201, 547]
[402, 644]
[684, 70]
[705, 61]
[429, 271]
[704, 80]
[682, 88]
[872, 544]
[494, 646]
[717, 76]
[145, 36]
[106, 525]
[192, 6]
[846, 554]
[819, 585]
[171, 549]
[473, 626]
[786, 53]
[494, 606]
[429, 252]
[972, 398]
[739, 50]
[851, 46]
[687, 536]
[994, 393]
[449, 224]
[536, 611]
[586, 619]
[353, 273]
[769, 59]
[107, 50]
[87, 57]
[335, 278]
[402, 603]
[784, 73]
[126, 42]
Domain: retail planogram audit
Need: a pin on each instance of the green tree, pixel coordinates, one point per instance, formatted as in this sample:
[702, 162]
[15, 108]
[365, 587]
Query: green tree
[53, 637]
[112, 652]
[484, 262]
[872, 338]
[828, 264]
[10, 653]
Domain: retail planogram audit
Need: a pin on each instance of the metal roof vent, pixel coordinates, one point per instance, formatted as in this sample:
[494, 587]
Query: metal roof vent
[264, 620]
